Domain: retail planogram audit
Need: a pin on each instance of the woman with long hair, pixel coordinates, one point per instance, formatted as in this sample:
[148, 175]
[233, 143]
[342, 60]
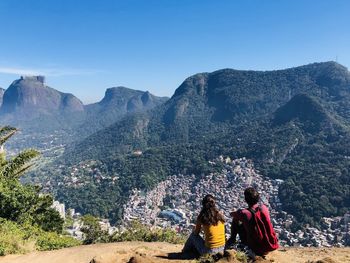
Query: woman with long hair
[212, 222]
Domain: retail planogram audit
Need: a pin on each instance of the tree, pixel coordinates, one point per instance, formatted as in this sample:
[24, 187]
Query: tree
[92, 230]
[17, 165]
[23, 203]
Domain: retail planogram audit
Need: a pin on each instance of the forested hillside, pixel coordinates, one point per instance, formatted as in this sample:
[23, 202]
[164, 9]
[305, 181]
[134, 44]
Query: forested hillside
[293, 123]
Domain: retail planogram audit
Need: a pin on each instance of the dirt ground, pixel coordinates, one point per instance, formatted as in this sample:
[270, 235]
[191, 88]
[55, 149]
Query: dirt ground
[140, 252]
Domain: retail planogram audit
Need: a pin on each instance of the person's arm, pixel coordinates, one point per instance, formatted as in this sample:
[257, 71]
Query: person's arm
[197, 228]
[237, 215]
[265, 211]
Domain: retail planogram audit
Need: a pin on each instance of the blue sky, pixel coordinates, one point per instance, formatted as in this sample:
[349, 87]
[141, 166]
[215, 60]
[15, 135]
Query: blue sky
[86, 46]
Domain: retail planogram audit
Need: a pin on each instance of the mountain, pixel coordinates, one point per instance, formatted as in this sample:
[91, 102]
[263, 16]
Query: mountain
[231, 93]
[207, 102]
[293, 123]
[306, 110]
[29, 97]
[45, 116]
[117, 102]
[302, 107]
[128, 100]
[44, 113]
[124, 100]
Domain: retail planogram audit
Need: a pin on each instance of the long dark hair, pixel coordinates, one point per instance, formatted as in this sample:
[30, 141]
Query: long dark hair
[209, 214]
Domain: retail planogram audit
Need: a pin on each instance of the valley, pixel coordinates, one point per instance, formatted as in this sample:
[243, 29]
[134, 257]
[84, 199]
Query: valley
[293, 124]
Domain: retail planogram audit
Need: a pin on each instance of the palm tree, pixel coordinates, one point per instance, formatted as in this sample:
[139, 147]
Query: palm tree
[23, 203]
[17, 165]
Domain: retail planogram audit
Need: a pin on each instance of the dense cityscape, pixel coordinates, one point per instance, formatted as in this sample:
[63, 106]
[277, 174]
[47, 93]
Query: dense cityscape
[176, 202]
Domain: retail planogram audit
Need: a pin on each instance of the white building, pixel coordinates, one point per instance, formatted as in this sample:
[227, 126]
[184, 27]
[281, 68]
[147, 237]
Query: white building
[60, 208]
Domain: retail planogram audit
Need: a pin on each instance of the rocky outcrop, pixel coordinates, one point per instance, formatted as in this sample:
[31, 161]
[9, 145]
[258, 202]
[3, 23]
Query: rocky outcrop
[117, 102]
[2, 91]
[126, 100]
[29, 97]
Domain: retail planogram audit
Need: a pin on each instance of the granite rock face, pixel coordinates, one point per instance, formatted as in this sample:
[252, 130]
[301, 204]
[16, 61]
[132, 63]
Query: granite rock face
[2, 91]
[29, 96]
[126, 100]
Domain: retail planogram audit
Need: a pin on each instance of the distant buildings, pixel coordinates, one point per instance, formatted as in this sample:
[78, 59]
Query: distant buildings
[60, 208]
[176, 202]
[137, 153]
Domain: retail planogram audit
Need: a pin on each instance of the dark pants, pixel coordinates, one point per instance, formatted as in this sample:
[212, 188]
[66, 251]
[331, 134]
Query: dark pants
[238, 228]
[196, 244]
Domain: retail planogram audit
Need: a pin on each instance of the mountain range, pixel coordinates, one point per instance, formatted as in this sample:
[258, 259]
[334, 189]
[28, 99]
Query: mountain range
[28, 103]
[293, 123]
[207, 102]
[29, 97]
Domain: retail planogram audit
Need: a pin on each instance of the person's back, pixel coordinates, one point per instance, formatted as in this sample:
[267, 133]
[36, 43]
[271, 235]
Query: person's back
[214, 235]
[212, 222]
[260, 235]
[254, 226]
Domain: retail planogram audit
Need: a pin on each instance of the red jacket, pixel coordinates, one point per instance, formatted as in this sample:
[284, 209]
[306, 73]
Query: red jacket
[267, 240]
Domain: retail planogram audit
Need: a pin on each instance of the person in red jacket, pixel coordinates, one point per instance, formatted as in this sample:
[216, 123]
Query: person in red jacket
[253, 225]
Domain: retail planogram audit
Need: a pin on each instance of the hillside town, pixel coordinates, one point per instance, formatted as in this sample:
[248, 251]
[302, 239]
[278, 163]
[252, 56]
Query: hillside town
[176, 202]
[75, 224]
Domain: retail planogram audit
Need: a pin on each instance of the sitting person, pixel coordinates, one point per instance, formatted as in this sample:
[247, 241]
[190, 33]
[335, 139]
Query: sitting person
[253, 225]
[213, 224]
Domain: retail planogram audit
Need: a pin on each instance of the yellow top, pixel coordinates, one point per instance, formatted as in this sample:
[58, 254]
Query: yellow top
[214, 235]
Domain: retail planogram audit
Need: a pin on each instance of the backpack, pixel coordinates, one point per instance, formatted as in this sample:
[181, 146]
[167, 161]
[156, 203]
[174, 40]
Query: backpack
[261, 236]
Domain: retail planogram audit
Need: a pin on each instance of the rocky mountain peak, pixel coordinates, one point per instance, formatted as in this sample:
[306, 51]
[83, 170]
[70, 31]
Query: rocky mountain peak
[118, 95]
[40, 79]
[194, 85]
[29, 96]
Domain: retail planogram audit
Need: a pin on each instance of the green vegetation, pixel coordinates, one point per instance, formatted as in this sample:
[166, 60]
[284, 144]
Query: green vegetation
[227, 256]
[206, 259]
[52, 240]
[27, 221]
[16, 238]
[13, 239]
[92, 231]
[293, 123]
[241, 257]
[134, 232]
[139, 232]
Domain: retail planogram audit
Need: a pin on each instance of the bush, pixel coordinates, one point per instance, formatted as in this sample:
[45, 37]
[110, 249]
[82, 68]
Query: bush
[139, 232]
[92, 231]
[52, 240]
[13, 239]
[18, 239]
